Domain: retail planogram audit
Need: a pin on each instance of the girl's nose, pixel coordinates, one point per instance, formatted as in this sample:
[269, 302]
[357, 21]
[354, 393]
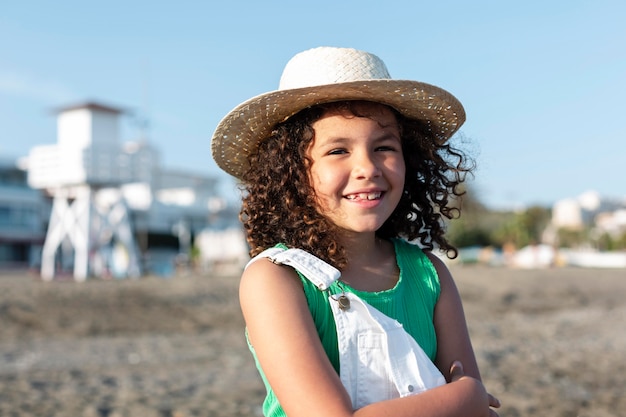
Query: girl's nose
[365, 167]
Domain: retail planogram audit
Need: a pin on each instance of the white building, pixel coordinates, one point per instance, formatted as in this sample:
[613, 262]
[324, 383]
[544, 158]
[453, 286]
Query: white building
[23, 216]
[589, 213]
[113, 205]
[587, 210]
[567, 213]
[612, 223]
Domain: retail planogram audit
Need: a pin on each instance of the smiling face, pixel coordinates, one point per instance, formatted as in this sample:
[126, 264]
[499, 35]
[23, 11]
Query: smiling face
[357, 166]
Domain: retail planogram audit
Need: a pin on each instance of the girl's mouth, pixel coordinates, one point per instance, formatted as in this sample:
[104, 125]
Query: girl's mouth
[364, 196]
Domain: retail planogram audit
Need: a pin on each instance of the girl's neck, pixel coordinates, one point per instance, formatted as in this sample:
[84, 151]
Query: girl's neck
[361, 247]
[371, 263]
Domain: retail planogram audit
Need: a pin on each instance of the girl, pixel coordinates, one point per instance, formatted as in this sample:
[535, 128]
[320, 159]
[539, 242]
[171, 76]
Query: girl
[350, 166]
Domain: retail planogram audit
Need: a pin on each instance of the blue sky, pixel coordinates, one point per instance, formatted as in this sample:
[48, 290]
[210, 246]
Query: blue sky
[543, 82]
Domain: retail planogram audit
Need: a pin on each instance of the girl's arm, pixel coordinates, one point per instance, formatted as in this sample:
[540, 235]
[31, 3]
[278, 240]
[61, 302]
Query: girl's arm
[453, 341]
[282, 331]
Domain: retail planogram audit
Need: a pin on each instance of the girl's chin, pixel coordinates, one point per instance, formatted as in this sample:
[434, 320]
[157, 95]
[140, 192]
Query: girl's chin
[360, 229]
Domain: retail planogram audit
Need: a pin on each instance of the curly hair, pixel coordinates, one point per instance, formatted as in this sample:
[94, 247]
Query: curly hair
[279, 202]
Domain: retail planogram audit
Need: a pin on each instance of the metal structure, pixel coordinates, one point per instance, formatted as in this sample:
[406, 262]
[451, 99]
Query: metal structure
[89, 230]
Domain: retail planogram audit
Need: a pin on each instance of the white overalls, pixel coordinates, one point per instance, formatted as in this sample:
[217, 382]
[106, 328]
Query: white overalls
[378, 359]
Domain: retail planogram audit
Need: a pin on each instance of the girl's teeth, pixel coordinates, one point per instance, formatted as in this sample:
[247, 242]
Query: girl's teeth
[364, 196]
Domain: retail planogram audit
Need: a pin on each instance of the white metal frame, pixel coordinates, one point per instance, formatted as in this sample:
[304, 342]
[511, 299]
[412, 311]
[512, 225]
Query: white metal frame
[91, 220]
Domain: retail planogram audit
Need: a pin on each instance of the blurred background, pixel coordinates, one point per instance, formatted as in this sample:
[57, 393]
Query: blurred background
[106, 115]
[113, 105]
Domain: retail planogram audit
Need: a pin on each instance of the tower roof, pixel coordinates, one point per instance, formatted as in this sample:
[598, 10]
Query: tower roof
[90, 105]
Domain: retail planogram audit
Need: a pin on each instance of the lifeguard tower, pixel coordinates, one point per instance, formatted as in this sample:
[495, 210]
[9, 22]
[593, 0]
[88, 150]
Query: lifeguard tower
[89, 230]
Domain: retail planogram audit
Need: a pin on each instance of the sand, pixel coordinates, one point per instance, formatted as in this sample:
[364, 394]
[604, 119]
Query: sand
[549, 342]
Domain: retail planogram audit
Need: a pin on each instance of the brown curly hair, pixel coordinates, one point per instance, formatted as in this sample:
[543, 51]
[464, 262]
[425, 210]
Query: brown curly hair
[279, 203]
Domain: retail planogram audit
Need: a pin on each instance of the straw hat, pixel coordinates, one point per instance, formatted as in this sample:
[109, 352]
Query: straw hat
[323, 75]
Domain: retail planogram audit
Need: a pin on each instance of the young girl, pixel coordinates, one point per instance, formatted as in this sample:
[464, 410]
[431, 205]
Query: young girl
[350, 165]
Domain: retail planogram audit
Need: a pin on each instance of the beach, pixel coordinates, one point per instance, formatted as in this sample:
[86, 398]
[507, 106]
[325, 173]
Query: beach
[549, 342]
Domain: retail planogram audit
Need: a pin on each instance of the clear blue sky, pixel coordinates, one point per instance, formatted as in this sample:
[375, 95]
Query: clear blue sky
[543, 82]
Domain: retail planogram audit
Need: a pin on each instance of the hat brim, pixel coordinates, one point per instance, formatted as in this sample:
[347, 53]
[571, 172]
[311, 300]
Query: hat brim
[240, 130]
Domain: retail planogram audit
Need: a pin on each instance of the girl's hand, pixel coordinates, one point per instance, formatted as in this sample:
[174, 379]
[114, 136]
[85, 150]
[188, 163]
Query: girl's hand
[456, 373]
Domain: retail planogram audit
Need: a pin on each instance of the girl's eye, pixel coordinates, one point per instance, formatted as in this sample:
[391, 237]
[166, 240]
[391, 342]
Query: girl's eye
[385, 148]
[337, 152]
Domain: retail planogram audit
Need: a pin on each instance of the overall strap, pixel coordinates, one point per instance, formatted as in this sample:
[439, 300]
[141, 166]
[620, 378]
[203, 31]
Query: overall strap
[320, 273]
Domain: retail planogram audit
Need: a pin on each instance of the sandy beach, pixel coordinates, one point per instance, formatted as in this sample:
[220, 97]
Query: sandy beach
[550, 342]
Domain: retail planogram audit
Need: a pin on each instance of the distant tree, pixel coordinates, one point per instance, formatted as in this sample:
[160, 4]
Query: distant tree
[535, 219]
[608, 242]
[621, 242]
[524, 227]
[479, 226]
[470, 228]
[512, 232]
[572, 238]
[605, 242]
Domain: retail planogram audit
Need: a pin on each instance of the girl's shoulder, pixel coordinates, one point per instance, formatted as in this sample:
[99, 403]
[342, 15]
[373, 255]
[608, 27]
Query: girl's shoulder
[417, 264]
[434, 270]
[264, 276]
[264, 279]
[275, 273]
[411, 254]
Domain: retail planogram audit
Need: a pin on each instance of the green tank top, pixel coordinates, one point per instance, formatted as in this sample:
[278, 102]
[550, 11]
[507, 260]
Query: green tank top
[411, 302]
